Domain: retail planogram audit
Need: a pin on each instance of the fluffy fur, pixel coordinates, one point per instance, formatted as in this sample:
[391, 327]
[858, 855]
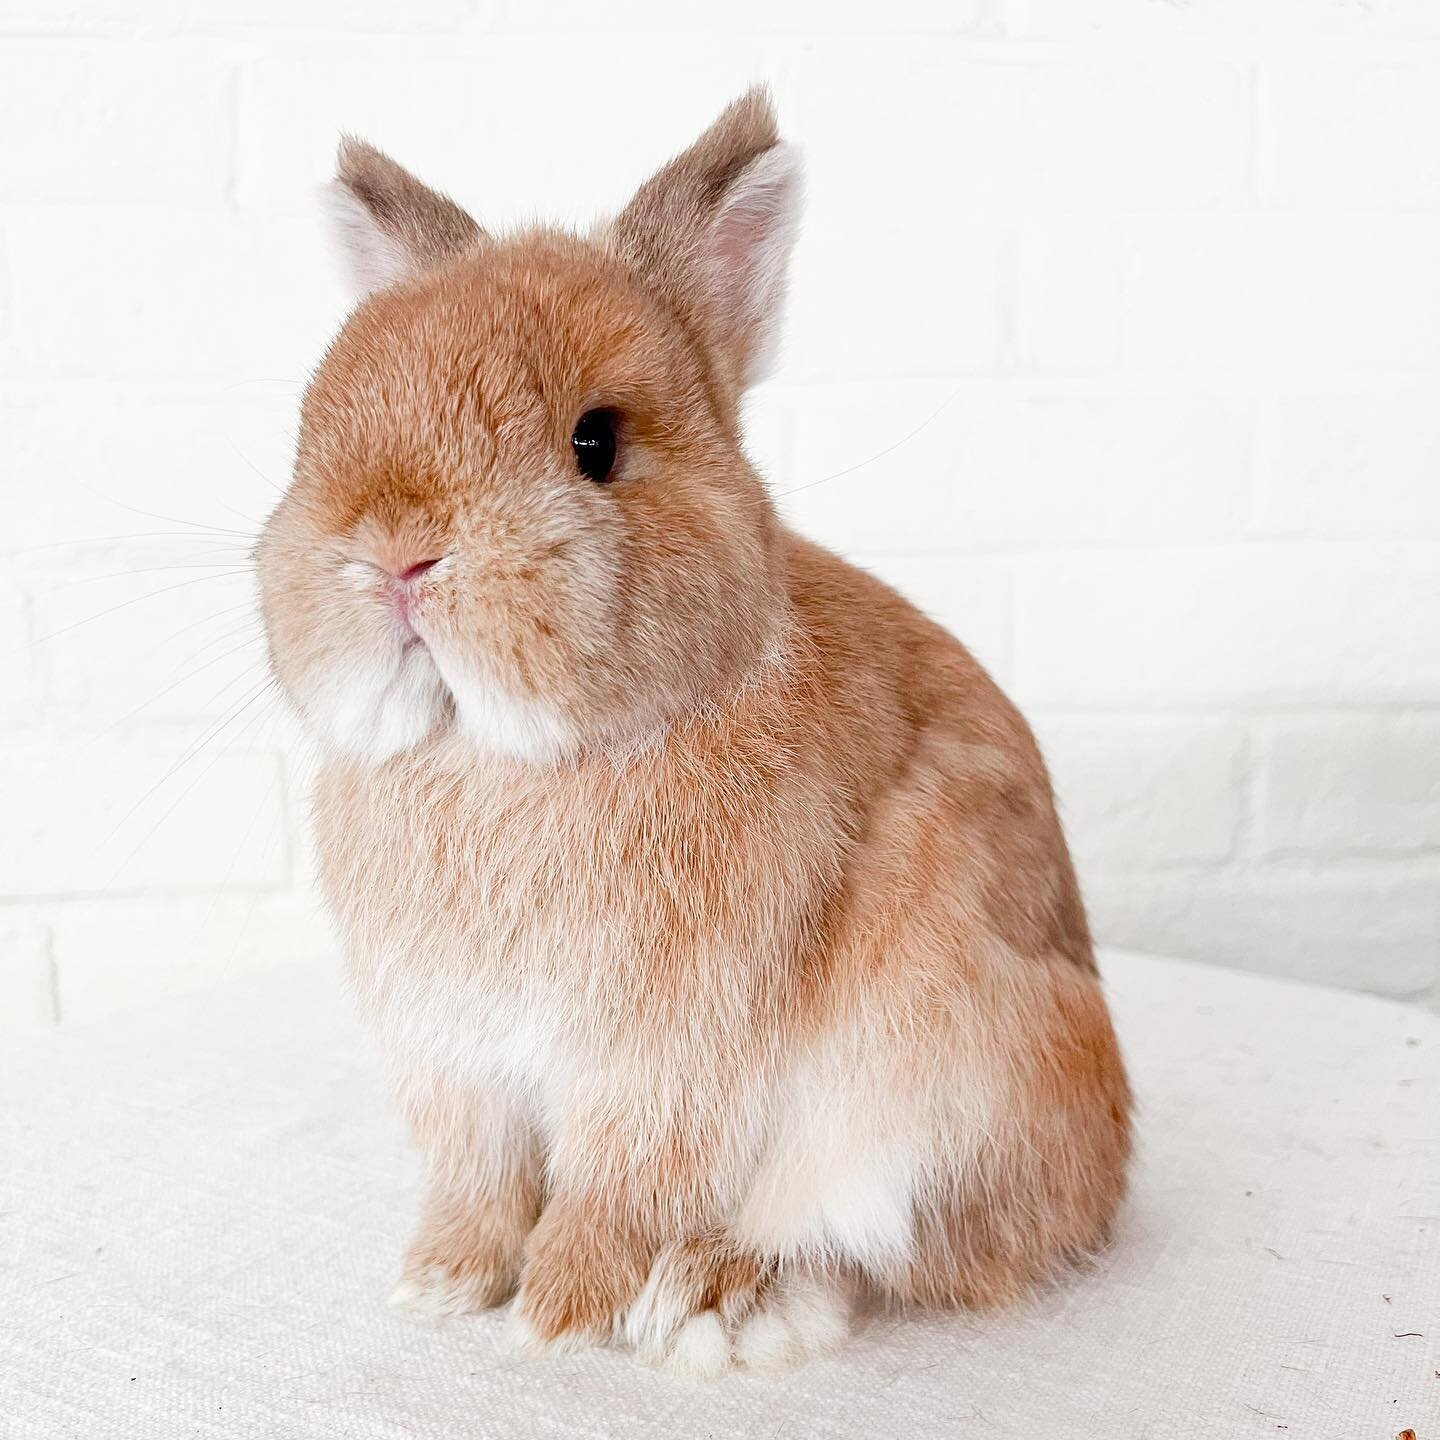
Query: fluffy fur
[710, 901]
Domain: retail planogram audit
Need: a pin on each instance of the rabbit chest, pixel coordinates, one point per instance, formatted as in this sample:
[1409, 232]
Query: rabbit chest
[535, 921]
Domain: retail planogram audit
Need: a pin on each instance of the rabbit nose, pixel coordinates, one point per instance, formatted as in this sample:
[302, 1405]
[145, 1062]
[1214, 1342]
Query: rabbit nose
[404, 571]
[415, 571]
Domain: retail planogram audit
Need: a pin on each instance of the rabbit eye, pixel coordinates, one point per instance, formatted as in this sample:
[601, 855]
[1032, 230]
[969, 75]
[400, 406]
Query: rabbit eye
[594, 444]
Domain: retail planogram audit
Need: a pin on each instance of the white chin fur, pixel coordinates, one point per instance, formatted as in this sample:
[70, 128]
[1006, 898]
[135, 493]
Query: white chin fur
[502, 724]
[372, 708]
[377, 708]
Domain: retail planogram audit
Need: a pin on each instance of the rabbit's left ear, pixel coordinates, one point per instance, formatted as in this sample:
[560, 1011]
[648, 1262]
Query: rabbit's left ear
[711, 233]
[386, 224]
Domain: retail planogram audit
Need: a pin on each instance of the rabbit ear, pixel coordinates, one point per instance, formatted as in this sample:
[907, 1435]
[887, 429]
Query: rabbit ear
[711, 233]
[387, 226]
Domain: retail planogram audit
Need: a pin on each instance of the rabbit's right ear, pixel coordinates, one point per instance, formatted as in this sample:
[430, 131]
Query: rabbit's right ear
[386, 224]
[711, 233]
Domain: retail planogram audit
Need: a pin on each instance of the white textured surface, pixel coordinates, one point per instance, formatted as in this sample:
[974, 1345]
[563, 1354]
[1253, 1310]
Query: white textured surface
[1114, 341]
[201, 1214]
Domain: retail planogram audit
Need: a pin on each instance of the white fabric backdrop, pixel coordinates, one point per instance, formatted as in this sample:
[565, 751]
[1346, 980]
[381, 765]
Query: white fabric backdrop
[201, 1214]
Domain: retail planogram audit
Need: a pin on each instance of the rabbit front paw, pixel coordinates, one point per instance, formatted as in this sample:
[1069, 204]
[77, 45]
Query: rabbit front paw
[578, 1280]
[460, 1265]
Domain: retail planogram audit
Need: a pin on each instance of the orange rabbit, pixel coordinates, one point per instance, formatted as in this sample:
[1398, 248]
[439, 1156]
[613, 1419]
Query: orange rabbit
[710, 901]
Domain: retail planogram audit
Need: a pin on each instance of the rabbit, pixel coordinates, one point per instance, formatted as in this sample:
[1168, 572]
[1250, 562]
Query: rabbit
[708, 900]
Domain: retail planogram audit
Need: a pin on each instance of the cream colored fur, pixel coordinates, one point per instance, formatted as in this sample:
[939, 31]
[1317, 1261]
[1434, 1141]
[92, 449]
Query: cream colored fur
[710, 902]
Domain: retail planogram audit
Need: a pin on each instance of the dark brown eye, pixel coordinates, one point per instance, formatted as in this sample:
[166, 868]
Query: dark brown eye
[594, 444]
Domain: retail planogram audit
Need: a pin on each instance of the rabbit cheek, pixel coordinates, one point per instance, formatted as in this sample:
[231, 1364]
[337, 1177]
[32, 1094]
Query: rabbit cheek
[521, 659]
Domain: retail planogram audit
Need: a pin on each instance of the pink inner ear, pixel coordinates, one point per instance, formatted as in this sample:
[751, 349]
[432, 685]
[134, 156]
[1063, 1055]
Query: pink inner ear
[745, 233]
[749, 246]
[740, 230]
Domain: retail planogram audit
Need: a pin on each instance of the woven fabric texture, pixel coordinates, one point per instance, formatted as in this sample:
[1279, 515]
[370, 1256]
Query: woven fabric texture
[202, 1210]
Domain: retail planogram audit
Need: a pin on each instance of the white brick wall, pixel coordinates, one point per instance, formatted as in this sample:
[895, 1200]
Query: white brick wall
[1115, 341]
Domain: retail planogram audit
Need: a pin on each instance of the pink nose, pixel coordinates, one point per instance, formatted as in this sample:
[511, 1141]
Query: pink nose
[415, 571]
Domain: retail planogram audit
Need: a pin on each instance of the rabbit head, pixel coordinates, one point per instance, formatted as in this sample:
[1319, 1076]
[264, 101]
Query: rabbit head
[520, 509]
